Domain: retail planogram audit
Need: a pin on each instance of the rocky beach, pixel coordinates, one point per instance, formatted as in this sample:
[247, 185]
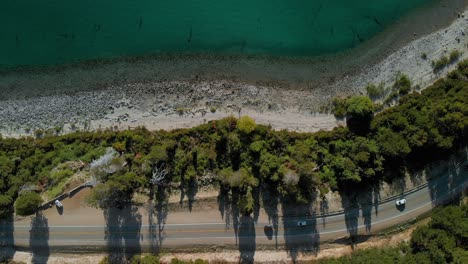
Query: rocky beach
[71, 99]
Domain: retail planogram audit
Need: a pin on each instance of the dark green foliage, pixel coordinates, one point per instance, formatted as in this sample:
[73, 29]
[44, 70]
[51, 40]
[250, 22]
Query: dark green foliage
[375, 91]
[454, 55]
[246, 202]
[339, 107]
[444, 61]
[360, 112]
[27, 203]
[360, 107]
[424, 56]
[440, 63]
[444, 240]
[402, 84]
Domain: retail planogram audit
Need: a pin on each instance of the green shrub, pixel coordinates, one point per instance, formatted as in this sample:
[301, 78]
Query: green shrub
[181, 111]
[339, 107]
[424, 56]
[27, 203]
[374, 91]
[402, 84]
[440, 63]
[246, 124]
[454, 55]
[360, 107]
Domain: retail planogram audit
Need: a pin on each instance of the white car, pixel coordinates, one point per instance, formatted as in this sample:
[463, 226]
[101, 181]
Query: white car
[301, 223]
[400, 202]
[58, 203]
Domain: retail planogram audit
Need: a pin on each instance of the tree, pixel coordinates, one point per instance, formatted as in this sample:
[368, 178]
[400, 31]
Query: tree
[360, 112]
[246, 202]
[5, 205]
[246, 124]
[392, 144]
[403, 84]
[27, 203]
[435, 242]
[360, 107]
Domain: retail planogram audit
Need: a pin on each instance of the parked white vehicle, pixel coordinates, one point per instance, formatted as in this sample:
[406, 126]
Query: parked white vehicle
[58, 203]
[301, 223]
[400, 202]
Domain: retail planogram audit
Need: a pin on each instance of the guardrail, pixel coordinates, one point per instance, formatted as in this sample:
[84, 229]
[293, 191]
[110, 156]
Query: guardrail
[464, 185]
[70, 193]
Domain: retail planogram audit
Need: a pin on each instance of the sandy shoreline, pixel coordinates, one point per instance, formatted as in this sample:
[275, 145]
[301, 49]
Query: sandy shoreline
[167, 104]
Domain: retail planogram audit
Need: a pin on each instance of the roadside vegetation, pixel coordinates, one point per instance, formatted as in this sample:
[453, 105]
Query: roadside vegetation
[245, 156]
[443, 240]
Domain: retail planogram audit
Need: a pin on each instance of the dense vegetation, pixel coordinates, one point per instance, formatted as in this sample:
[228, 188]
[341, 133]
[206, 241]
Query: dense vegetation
[245, 156]
[444, 240]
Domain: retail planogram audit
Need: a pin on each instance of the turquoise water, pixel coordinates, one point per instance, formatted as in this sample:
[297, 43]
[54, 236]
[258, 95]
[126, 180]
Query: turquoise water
[37, 32]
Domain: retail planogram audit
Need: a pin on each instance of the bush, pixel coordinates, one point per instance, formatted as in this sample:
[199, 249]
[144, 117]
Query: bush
[360, 107]
[27, 203]
[424, 56]
[402, 84]
[246, 124]
[374, 91]
[440, 63]
[454, 55]
[339, 107]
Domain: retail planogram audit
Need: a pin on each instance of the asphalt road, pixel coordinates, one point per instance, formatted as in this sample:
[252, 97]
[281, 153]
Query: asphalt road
[122, 231]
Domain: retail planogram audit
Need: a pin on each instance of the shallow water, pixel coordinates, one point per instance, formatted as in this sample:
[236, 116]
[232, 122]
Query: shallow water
[59, 31]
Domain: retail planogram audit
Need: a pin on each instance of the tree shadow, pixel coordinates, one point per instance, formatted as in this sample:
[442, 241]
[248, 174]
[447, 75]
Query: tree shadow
[324, 210]
[235, 211]
[256, 207]
[7, 240]
[351, 212]
[247, 245]
[270, 201]
[365, 199]
[157, 215]
[122, 233]
[39, 239]
[300, 239]
[189, 189]
[228, 200]
[448, 177]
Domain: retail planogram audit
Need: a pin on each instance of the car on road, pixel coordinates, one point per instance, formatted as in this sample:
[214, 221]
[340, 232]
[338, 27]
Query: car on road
[301, 223]
[400, 202]
[58, 203]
